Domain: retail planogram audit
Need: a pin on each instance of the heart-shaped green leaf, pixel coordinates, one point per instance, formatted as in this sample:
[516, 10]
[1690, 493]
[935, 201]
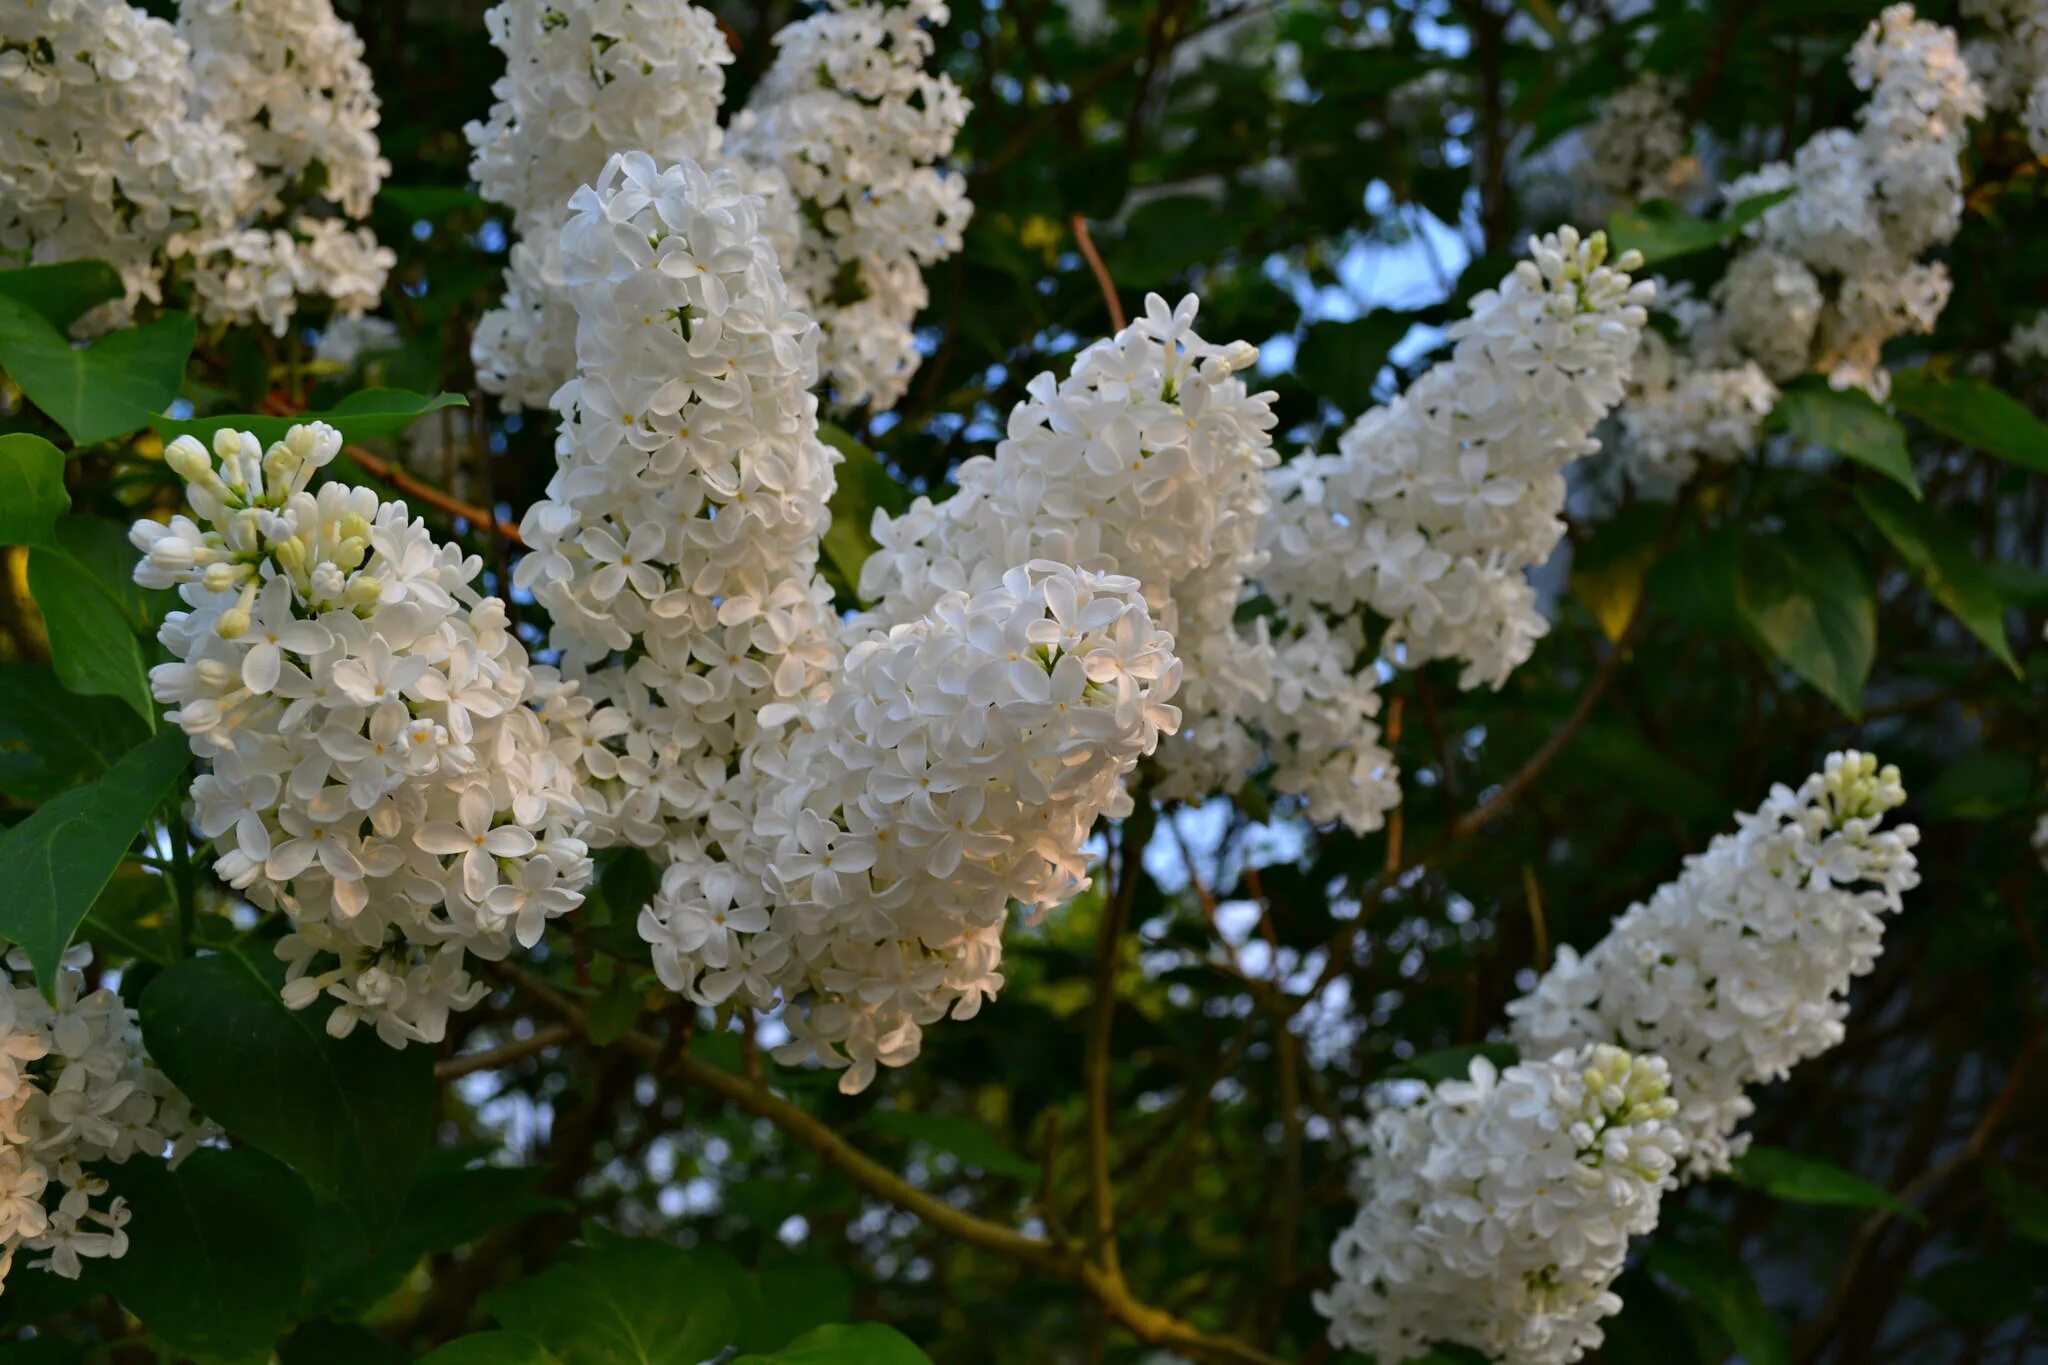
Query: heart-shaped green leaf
[112, 387]
[32, 494]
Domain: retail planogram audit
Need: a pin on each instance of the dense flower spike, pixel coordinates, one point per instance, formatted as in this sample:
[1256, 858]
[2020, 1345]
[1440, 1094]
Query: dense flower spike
[1436, 504]
[845, 818]
[841, 141]
[76, 1090]
[855, 125]
[581, 82]
[1495, 1212]
[1831, 273]
[105, 154]
[1738, 970]
[2012, 64]
[1636, 149]
[374, 771]
[197, 151]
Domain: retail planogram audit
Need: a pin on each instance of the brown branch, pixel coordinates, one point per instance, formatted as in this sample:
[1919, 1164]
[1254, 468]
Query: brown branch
[1102, 279]
[395, 474]
[1150, 1325]
[503, 1055]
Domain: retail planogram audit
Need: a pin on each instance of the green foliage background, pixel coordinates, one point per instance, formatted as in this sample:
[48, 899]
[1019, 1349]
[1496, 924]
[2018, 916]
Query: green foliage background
[1887, 593]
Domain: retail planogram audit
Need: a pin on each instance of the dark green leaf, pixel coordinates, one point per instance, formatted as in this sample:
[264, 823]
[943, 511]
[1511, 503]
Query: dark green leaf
[60, 858]
[1848, 423]
[51, 739]
[338, 1343]
[1983, 784]
[632, 1302]
[353, 1115]
[92, 640]
[1455, 1063]
[807, 1292]
[1341, 360]
[1975, 413]
[215, 1251]
[1982, 1291]
[1940, 556]
[110, 388]
[861, 1343]
[432, 201]
[135, 916]
[101, 547]
[365, 415]
[1806, 595]
[1662, 233]
[1810, 1180]
[2022, 1205]
[1721, 1287]
[32, 494]
[864, 485]
[961, 1137]
[492, 1348]
[61, 293]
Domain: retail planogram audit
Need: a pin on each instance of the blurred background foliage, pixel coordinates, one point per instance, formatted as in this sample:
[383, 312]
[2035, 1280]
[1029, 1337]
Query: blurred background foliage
[1333, 180]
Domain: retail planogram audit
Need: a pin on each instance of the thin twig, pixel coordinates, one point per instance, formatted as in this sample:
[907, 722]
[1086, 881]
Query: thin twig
[1151, 1325]
[1102, 279]
[505, 1054]
[391, 472]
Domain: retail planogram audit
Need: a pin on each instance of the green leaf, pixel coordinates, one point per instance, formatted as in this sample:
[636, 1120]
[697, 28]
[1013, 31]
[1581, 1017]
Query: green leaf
[863, 485]
[492, 1348]
[1721, 1287]
[1982, 1291]
[92, 640]
[1810, 1180]
[338, 1343]
[50, 739]
[1983, 784]
[1340, 360]
[1975, 413]
[2022, 1205]
[961, 1137]
[110, 388]
[353, 1115]
[860, 1343]
[1852, 426]
[135, 916]
[101, 547]
[807, 1292]
[451, 1204]
[432, 201]
[1939, 554]
[215, 1251]
[32, 494]
[1662, 233]
[61, 293]
[59, 858]
[1455, 1063]
[365, 415]
[632, 1302]
[1809, 600]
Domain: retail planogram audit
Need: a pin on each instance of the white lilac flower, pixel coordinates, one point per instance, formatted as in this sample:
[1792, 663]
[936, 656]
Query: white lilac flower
[76, 1090]
[842, 141]
[849, 118]
[354, 699]
[1436, 504]
[1495, 1212]
[1636, 148]
[1739, 969]
[106, 154]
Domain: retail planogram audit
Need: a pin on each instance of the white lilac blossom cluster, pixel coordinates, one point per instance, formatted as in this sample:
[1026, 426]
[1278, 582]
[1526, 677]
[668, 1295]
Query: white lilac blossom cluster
[1636, 148]
[373, 769]
[842, 140]
[198, 153]
[76, 1091]
[1148, 461]
[1436, 505]
[2012, 62]
[851, 121]
[846, 812]
[1738, 970]
[1495, 1212]
[1827, 276]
